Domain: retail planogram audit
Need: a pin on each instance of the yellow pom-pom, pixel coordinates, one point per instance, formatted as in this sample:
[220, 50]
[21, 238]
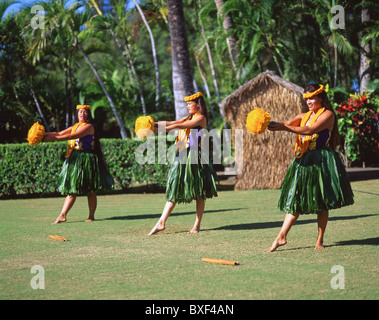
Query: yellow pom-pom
[36, 134]
[257, 121]
[144, 126]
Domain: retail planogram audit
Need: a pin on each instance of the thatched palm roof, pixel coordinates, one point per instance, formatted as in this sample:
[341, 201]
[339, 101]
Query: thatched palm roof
[267, 155]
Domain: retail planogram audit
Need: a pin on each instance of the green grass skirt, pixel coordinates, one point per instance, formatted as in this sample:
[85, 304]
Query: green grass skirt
[315, 182]
[82, 173]
[188, 180]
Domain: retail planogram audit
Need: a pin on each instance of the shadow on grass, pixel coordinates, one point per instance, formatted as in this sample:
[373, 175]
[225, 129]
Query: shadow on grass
[278, 224]
[355, 242]
[359, 242]
[157, 216]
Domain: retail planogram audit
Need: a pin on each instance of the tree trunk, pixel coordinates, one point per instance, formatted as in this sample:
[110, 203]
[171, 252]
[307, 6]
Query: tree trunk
[213, 73]
[181, 67]
[335, 65]
[205, 83]
[113, 107]
[68, 109]
[155, 58]
[231, 41]
[126, 49]
[364, 75]
[39, 109]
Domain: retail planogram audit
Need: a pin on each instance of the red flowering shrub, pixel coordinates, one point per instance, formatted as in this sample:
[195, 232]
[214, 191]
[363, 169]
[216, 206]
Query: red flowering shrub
[358, 125]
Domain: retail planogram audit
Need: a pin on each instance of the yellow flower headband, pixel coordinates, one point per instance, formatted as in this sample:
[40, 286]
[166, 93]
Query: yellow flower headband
[193, 97]
[83, 106]
[314, 93]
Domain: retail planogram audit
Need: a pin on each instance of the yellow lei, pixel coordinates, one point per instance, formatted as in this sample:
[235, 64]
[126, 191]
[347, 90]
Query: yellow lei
[314, 93]
[71, 143]
[183, 134]
[302, 141]
[193, 97]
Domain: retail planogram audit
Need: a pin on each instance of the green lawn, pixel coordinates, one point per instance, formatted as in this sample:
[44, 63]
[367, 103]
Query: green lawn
[113, 258]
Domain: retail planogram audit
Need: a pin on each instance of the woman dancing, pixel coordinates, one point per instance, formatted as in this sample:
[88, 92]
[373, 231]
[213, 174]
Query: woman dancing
[316, 180]
[191, 176]
[84, 170]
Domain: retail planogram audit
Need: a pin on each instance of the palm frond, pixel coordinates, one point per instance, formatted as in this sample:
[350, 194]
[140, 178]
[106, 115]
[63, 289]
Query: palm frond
[342, 44]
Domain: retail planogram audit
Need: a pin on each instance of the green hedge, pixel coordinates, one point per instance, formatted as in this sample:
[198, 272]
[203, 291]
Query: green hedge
[33, 170]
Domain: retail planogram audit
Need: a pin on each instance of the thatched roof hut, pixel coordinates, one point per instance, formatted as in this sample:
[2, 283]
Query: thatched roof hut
[266, 156]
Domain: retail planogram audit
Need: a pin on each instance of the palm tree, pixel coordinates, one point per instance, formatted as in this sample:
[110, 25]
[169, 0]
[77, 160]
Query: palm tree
[364, 75]
[155, 57]
[57, 18]
[182, 77]
[15, 76]
[77, 21]
[4, 6]
[12, 25]
[335, 38]
[39, 109]
[211, 64]
[202, 16]
[231, 40]
[111, 23]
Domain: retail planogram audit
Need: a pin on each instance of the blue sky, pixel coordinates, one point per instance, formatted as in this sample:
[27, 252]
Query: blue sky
[17, 6]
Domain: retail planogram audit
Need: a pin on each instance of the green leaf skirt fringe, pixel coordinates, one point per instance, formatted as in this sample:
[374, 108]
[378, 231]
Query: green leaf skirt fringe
[315, 182]
[83, 173]
[191, 177]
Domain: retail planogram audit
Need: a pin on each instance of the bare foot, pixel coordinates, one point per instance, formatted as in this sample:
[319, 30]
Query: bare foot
[90, 220]
[319, 246]
[60, 219]
[276, 244]
[194, 231]
[158, 227]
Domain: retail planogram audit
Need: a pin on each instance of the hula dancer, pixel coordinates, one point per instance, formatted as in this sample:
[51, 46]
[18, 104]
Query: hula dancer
[84, 170]
[316, 180]
[191, 176]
